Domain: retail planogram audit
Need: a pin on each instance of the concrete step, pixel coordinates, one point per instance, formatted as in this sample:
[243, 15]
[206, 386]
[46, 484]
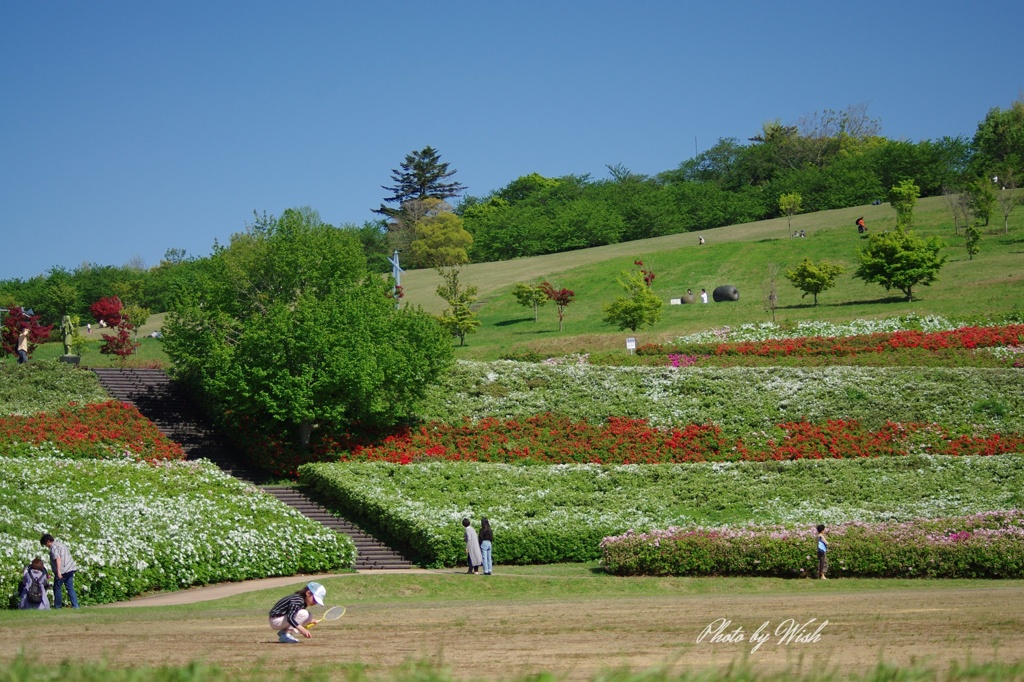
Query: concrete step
[161, 401]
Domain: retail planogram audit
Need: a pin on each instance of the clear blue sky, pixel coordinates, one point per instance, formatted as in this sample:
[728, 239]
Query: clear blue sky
[127, 128]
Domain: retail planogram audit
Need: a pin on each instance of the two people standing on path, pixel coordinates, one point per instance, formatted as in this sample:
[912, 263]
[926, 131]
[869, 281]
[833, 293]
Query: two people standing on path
[64, 568]
[478, 548]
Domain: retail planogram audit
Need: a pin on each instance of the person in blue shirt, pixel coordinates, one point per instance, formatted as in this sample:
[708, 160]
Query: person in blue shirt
[822, 551]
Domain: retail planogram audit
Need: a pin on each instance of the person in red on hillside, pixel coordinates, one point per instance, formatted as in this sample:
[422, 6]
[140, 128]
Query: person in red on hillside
[861, 227]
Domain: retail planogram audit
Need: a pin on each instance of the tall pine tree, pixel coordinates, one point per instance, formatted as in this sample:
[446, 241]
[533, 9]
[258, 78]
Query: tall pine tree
[422, 176]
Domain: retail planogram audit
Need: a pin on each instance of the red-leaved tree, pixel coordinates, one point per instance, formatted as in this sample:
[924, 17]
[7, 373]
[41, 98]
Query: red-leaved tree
[561, 297]
[14, 322]
[121, 343]
[107, 310]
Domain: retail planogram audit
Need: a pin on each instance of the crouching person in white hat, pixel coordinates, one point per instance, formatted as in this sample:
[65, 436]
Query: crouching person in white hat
[290, 614]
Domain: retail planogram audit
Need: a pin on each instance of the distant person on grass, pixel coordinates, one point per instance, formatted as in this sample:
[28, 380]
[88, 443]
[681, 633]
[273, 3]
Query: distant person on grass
[23, 346]
[486, 543]
[290, 614]
[703, 295]
[475, 559]
[64, 568]
[822, 551]
[34, 583]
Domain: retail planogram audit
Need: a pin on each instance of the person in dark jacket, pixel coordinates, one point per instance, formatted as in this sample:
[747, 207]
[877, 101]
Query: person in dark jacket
[290, 614]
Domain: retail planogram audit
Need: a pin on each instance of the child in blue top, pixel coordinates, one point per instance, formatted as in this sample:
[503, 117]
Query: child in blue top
[822, 550]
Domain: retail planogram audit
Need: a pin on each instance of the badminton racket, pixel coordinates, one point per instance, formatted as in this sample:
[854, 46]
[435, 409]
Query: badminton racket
[333, 613]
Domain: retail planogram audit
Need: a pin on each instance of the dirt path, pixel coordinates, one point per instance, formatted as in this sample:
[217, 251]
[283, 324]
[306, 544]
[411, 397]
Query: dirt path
[576, 638]
[196, 595]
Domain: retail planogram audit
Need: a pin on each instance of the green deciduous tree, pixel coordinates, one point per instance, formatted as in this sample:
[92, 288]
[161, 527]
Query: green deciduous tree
[530, 296]
[458, 319]
[900, 260]
[981, 199]
[999, 141]
[814, 278]
[790, 204]
[438, 239]
[293, 334]
[972, 241]
[137, 315]
[62, 297]
[902, 197]
[640, 307]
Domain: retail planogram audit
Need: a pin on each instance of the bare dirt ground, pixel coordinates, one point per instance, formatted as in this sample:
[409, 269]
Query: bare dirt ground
[576, 638]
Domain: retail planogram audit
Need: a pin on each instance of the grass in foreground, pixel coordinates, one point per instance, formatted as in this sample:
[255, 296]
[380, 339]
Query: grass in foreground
[22, 669]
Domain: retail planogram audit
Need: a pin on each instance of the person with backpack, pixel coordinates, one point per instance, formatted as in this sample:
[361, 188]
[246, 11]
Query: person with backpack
[64, 568]
[34, 583]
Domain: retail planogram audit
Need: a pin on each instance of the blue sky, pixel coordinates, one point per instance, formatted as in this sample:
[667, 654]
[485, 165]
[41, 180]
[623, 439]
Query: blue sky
[127, 128]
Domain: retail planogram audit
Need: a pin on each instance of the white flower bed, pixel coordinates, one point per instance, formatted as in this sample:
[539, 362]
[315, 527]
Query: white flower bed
[765, 331]
[133, 527]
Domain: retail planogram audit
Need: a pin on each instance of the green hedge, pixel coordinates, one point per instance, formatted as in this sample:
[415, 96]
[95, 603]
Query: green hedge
[46, 386]
[561, 513]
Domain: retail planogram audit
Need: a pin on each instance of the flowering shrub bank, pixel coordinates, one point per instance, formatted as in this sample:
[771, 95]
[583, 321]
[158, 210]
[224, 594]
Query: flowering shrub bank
[134, 527]
[988, 545]
[742, 401]
[551, 439]
[46, 386]
[809, 346]
[544, 514]
[96, 431]
[764, 331]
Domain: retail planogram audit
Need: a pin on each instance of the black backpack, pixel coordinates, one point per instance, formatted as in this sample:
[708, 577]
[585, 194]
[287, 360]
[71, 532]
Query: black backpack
[35, 590]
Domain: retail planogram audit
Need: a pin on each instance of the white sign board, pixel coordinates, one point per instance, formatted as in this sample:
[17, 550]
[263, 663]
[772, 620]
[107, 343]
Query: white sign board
[675, 301]
[631, 343]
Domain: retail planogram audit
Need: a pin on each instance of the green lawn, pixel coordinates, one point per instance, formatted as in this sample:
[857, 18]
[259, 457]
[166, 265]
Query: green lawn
[991, 284]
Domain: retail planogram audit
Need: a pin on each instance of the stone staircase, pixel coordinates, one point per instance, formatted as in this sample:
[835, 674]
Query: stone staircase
[165, 404]
[373, 554]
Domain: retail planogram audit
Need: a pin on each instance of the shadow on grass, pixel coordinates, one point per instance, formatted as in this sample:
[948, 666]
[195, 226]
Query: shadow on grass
[507, 323]
[872, 301]
[535, 332]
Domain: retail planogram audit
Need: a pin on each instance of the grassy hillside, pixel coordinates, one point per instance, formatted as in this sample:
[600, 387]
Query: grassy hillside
[990, 284]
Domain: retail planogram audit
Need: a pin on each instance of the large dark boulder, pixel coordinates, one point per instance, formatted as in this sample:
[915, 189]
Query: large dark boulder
[726, 292]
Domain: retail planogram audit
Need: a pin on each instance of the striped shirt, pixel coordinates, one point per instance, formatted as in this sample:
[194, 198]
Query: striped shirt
[289, 606]
[58, 550]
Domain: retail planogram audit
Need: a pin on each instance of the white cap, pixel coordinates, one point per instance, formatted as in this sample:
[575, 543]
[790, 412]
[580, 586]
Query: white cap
[318, 591]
